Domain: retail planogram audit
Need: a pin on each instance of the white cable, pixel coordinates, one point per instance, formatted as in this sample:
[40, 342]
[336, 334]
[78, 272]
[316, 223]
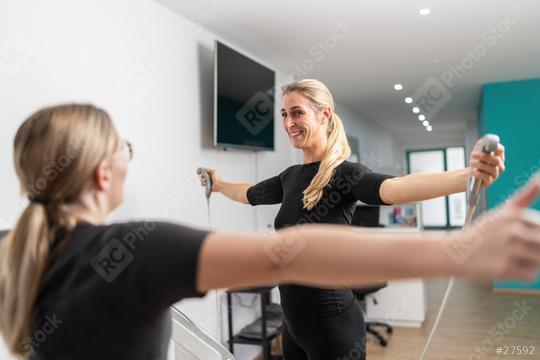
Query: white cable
[468, 220]
[218, 305]
[256, 208]
[487, 144]
[439, 315]
[208, 211]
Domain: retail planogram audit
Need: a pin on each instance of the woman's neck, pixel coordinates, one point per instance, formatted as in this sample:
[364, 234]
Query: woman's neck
[90, 208]
[91, 218]
[315, 153]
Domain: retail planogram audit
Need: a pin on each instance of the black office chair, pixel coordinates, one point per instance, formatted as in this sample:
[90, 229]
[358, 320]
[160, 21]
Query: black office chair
[371, 326]
[368, 216]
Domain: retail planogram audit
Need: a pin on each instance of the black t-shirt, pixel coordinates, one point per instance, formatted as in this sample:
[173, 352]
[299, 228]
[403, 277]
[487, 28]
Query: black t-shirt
[108, 292]
[350, 182]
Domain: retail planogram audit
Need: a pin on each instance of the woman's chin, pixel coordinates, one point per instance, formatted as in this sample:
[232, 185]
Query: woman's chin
[296, 144]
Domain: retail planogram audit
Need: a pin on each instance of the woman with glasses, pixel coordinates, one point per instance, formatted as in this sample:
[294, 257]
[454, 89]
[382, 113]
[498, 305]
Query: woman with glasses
[73, 286]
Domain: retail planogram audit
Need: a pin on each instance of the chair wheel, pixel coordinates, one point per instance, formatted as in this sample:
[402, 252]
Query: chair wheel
[383, 342]
[389, 331]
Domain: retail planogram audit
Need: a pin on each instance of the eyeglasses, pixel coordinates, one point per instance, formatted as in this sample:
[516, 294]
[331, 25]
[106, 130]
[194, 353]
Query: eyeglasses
[128, 150]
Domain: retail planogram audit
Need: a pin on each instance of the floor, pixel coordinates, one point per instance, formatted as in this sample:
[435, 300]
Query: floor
[475, 323]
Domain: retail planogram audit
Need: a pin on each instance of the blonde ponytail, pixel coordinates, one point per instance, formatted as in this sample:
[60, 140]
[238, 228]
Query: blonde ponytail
[56, 151]
[24, 254]
[337, 150]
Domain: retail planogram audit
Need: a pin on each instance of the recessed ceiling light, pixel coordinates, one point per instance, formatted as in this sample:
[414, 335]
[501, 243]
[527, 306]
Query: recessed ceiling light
[425, 123]
[398, 87]
[421, 117]
[424, 11]
[429, 128]
[408, 100]
[415, 110]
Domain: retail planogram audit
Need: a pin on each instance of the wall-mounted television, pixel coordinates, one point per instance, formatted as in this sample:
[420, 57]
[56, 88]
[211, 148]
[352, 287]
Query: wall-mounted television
[243, 101]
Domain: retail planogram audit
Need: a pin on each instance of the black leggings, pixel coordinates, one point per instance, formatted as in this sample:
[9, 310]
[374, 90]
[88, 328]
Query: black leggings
[340, 336]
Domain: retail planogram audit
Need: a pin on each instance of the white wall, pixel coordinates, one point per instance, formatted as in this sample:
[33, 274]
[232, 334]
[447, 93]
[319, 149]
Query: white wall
[427, 140]
[377, 146]
[152, 70]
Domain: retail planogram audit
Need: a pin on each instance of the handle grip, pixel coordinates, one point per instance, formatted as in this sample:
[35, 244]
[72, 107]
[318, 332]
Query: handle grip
[208, 178]
[488, 143]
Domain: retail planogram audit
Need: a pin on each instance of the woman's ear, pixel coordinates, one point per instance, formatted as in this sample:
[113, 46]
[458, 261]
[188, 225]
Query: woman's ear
[102, 175]
[327, 112]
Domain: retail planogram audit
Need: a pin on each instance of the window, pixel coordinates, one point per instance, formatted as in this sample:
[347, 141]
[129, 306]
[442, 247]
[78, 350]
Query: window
[448, 211]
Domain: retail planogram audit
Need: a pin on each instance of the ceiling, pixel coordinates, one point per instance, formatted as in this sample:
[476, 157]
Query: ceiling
[385, 42]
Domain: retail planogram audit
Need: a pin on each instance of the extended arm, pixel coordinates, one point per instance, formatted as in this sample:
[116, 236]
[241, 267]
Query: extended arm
[268, 191]
[234, 191]
[304, 254]
[500, 245]
[425, 186]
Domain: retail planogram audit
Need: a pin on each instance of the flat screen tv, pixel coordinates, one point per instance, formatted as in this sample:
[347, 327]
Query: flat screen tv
[243, 101]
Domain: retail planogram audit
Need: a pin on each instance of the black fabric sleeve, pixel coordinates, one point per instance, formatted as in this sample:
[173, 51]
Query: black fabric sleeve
[266, 192]
[365, 184]
[165, 260]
